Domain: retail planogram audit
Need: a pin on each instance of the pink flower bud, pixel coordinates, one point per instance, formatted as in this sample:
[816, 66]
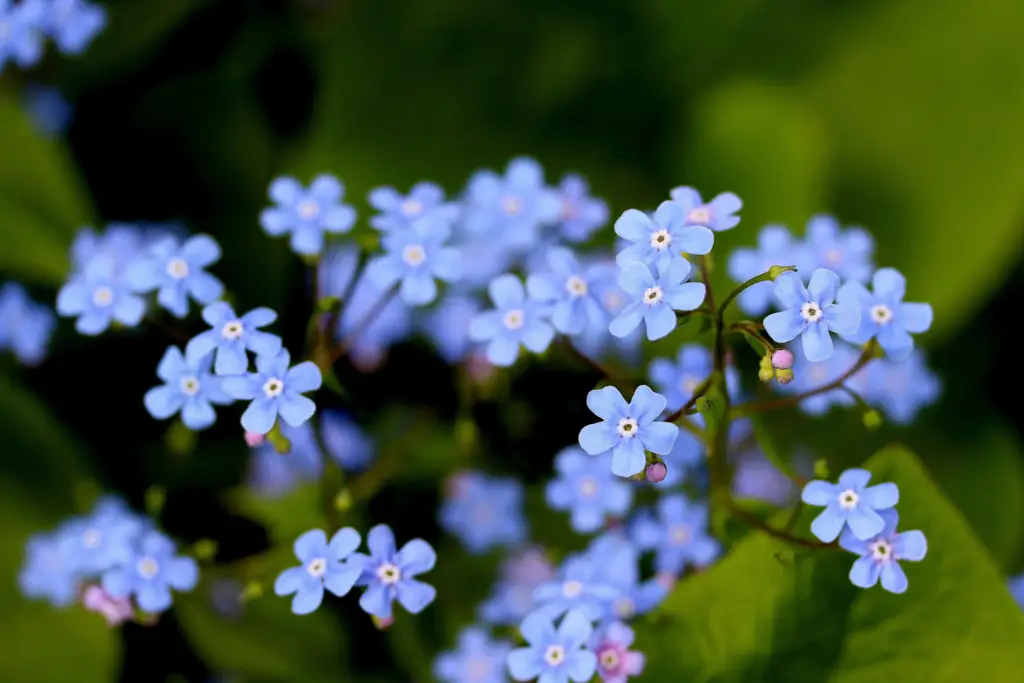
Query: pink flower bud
[782, 359]
[115, 610]
[253, 439]
[382, 623]
[656, 472]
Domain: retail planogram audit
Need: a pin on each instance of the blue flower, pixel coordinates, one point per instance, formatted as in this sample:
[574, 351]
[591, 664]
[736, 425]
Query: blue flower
[615, 661]
[189, 389]
[678, 535]
[596, 341]
[345, 442]
[580, 586]
[808, 376]
[73, 24]
[661, 239]
[880, 554]
[719, 214]
[884, 314]
[275, 390]
[48, 572]
[775, 247]
[389, 574]
[851, 503]
[571, 289]
[399, 212]
[586, 487]
[98, 297]
[102, 540]
[677, 381]
[899, 388]
[514, 320]
[627, 429]
[49, 110]
[307, 213]
[25, 326]
[810, 314]
[511, 598]
[324, 566]
[447, 326]
[374, 321]
[618, 563]
[270, 474]
[176, 271]
[511, 209]
[151, 573]
[478, 659]
[484, 512]
[581, 214]
[655, 301]
[21, 38]
[848, 253]
[415, 256]
[231, 335]
[554, 656]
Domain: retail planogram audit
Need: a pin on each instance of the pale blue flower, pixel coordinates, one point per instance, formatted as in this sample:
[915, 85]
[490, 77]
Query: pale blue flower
[884, 314]
[719, 214]
[810, 314]
[627, 429]
[662, 238]
[881, 554]
[275, 390]
[324, 567]
[849, 504]
[655, 301]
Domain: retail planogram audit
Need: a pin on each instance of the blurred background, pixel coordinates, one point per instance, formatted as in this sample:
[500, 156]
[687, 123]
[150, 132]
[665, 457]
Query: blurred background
[900, 116]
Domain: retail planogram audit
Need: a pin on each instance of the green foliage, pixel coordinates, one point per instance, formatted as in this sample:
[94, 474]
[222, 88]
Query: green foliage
[754, 619]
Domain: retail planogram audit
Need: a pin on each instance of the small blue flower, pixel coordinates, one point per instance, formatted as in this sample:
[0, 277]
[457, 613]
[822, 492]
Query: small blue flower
[808, 376]
[177, 272]
[73, 24]
[271, 475]
[275, 390]
[98, 297]
[415, 256]
[324, 566]
[478, 659]
[581, 214]
[307, 213]
[189, 389]
[102, 540]
[388, 574]
[884, 314]
[719, 214]
[678, 534]
[374, 321]
[776, 246]
[618, 563]
[615, 661]
[655, 301]
[484, 512]
[661, 239]
[447, 326]
[554, 656]
[571, 289]
[627, 429]
[900, 388]
[848, 253]
[810, 314]
[399, 212]
[48, 572]
[596, 341]
[580, 586]
[151, 573]
[346, 443]
[514, 320]
[21, 37]
[586, 487]
[231, 335]
[511, 209]
[677, 381]
[25, 326]
[851, 503]
[881, 554]
[511, 598]
[49, 110]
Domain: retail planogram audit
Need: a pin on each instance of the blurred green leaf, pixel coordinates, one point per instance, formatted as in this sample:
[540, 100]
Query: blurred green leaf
[754, 618]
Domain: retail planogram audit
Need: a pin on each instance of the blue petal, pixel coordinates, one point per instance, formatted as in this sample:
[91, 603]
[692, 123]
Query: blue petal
[598, 438]
[568, 317]
[376, 600]
[864, 522]
[295, 409]
[524, 664]
[92, 323]
[200, 347]
[502, 351]
[276, 222]
[340, 581]
[843, 319]
[310, 545]
[344, 542]
[447, 264]
[686, 297]
[628, 458]
[660, 322]
[823, 287]
[384, 271]
[73, 298]
[153, 598]
[790, 291]
[819, 493]
[204, 287]
[893, 578]
[854, 478]
[607, 403]
[816, 341]
[910, 545]
[116, 582]
[646, 405]
[241, 387]
[260, 416]
[290, 580]
[506, 291]
[537, 629]
[636, 253]
[416, 557]
[257, 317]
[575, 629]
[129, 310]
[200, 251]
[307, 241]
[381, 542]
[880, 497]
[304, 377]
[687, 197]
[864, 572]
[896, 343]
[914, 317]
[485, 325]
[198, 414]
[537, 336]
[230, 360]
[635, 278]
[418, 289]
[260, 343]
[889, 285]
[544, 287]
[634, 225]
[308, 598]
[627, 321]
[695, 240]
[285, 190]
[659, 437]
[162, 402]
[785, 326]
[182, 573]
[414, 596]
[828, 524]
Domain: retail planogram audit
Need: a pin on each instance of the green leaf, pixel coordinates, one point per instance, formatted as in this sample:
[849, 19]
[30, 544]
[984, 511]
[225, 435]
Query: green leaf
[753, 618]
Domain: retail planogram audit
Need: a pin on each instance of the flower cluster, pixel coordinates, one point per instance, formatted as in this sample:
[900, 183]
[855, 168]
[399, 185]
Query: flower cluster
[24, 26]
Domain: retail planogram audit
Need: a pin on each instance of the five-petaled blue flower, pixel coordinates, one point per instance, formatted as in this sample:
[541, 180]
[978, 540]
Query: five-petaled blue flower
[586, 487]
[511, 209]
[307, 213]
[483, 511]
[581, 586]
[478, 659]
[151, 573]
[231, 335]
[21, 37]
[98, 297]
[810, 313]
[388, 574]
[48, 572]
[775, 247]
[176, 271]
[677, 381]
[899, 388]
[25, 326]
[627, 428]
[850, 503]
[719, 214]
[189, 388]
[662, 238]
[398, 212]
[572, 290]
[415, 256]
[581, 214]
[655, 301]
[324, 566]
[275, 390]
[678, 535]
[554, 656]
[514, 320]
[615, 661]
[848, 252]
[73, 24]
[884, 314]
[880, 555]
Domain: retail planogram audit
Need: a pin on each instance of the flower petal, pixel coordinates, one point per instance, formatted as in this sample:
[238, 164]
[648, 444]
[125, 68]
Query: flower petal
[816, 341]
[416, 557]
[414, 595]
[880, 497]
[659, 437]
[894, 579]
[910, 545]
[914, 317]
[889, 285]
[864, 572]
[598, 438]
[823, 287]
[506, 291]
[785, 326]
[789, 290]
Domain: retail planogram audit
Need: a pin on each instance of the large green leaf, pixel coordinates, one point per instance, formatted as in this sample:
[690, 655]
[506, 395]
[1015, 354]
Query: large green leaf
[763, 615]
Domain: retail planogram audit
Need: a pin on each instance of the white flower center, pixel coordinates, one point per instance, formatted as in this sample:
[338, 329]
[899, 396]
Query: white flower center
[881, 551]
[189, 385]
[514, 319]
[91, 538]
[588, 487]
[833, 257]
[627, 427]
[609, 658]
[554, 655]
[317, 567]
[308, 209]
[414, 255]
[881, 314]
[511, 205]
[848, 499]
[679, 534]
[572, 589]
[103, 296]
[389, 574]
[652, 295]
[177, 268]
[273, 387]
[689, 384]
[701, 215]
[576, 286]
[411, 207]
[232, 330]
[811, 312]
[661, 239]
[624, 608]
[147, 567]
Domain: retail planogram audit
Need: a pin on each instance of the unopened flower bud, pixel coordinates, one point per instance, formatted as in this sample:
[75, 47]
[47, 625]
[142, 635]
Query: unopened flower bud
[704, 404]
[783, 376]
[765, 374]
[782, 359]
[383, 623]
[776, 271]
[872, 419]
[252, 439]
[115, 610]
[656, 472]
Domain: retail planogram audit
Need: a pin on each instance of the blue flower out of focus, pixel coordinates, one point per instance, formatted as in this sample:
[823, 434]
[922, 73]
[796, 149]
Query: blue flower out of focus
[810, 313]
[849, 504]
[25, 326]
[50, 112]
[275, 390]
[97, 297]
[398, 212]
[661, 239]
[618, 561]
[511, 597]
[581, 214]
[176, 272]
[447, 326]
[719, 214]
[231, 335]
[151, 573]
[880, 555]
[478, 659]
[388, 574]
[586, 487]
[21, 37]
[627, 429]
[514, 320]
[899, 388]
[554, 655]
[510, 209]
[847, 253]
[580, 586]
[101, 540]
[677, 381]
[615, 661]
[307, 213]
[677, 534]
[415, 256]
[48, 572]
[655, 301]
[73, 24]
[484, 512]
[775, 247]
[571, 290]
[189, 388]
[884, 314]
[324, 567]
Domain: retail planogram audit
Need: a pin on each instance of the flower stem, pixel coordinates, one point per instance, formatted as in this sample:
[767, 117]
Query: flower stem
[756, 522]
[767, 276]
